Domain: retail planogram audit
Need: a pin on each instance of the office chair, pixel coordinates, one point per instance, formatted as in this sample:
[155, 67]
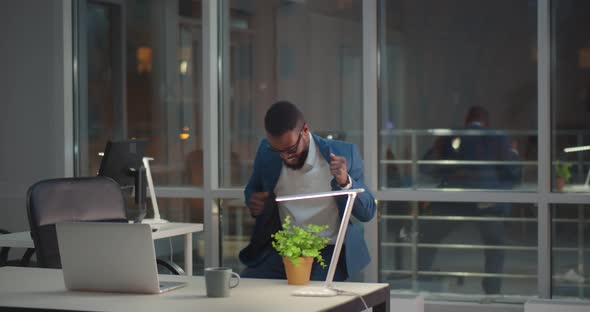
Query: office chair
[73, 199]
[23, 262]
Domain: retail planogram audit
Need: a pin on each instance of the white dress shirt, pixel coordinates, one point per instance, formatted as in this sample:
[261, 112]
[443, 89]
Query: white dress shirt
[313, 177]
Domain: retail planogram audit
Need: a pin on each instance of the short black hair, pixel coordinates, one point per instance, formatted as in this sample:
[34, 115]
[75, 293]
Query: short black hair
[281, 117]
[477, 114]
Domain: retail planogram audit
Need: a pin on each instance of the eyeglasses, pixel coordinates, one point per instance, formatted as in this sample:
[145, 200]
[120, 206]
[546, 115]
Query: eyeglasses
[289, 150]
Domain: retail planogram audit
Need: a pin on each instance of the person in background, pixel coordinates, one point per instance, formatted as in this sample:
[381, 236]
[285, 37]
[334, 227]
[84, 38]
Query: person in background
[477, 146]
[293, 160]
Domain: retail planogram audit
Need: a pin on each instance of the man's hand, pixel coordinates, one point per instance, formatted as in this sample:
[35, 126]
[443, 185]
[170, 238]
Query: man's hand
[257, 203]
[338, 169]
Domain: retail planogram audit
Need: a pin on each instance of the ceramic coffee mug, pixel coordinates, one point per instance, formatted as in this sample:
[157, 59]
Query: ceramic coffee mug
[218, 281]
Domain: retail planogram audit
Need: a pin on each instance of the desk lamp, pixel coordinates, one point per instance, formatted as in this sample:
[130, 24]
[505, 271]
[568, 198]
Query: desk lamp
[327, 290]
[150, 182]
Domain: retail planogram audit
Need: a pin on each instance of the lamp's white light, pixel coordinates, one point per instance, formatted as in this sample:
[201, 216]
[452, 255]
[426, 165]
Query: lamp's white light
[319, 195]
[456, 143]
[576, 148]
[441, 131]
[183, 67]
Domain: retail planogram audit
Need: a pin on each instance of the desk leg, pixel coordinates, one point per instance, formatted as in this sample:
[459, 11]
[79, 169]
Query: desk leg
[380, 300]
[188, 254]
[382, 307]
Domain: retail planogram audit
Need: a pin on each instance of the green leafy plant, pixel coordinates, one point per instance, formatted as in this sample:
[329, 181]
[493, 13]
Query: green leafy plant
[294, 242]
[562, 170]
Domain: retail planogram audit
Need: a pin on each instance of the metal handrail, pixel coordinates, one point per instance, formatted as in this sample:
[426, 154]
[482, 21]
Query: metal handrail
[461, 274]
[477, 274]
[479, 247]
[465, 218]
[459, 162]
[448, 132]
[458, 218]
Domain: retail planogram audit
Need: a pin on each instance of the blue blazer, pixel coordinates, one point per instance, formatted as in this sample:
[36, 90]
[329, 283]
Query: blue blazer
[267, 169]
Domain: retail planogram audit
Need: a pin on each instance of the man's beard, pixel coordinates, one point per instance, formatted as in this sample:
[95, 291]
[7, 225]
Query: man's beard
[300, 161]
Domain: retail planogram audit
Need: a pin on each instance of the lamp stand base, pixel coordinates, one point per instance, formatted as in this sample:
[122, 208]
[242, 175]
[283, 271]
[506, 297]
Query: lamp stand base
[314, 292]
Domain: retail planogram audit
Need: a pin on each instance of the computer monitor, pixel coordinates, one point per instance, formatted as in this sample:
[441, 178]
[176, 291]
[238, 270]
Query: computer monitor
[121, 159]
[122, 162]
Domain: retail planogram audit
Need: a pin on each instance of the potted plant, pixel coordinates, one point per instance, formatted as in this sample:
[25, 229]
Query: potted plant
[562, 174]
[299, 246]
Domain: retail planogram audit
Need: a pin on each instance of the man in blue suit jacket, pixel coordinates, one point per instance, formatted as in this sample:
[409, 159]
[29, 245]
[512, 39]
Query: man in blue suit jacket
[292, 160]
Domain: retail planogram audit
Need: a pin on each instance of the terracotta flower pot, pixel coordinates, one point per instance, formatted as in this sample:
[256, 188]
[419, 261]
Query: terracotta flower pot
[298, 275]
[559, 184]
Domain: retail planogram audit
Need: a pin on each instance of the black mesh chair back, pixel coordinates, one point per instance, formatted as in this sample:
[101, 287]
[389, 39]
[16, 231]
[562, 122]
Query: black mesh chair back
[69, 199]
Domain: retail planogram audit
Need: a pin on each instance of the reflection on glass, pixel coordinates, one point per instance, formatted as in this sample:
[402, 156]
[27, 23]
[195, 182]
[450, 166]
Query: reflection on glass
[570, 103]
[571, 250]
[433, 72]
[474, 158]
[462, 248]
[236, 229]
[148, 86]
[189, 210]
[305, 52]
[179, 209]
[101, 106]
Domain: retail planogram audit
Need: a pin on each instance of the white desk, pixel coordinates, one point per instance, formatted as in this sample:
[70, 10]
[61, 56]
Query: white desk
[24, 240]
[18, 239]
[576, 188]
[34, 288]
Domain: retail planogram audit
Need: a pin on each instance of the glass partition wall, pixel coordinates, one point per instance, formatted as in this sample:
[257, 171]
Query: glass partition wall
[139, 76]
[306, 52]
[476, 103]
[458, 95]
[457, 114]
[570, 250]
[571, 97]
[570, 150]
[451, 247]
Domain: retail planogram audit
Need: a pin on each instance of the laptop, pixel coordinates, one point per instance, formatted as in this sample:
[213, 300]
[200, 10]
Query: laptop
[110, 257]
